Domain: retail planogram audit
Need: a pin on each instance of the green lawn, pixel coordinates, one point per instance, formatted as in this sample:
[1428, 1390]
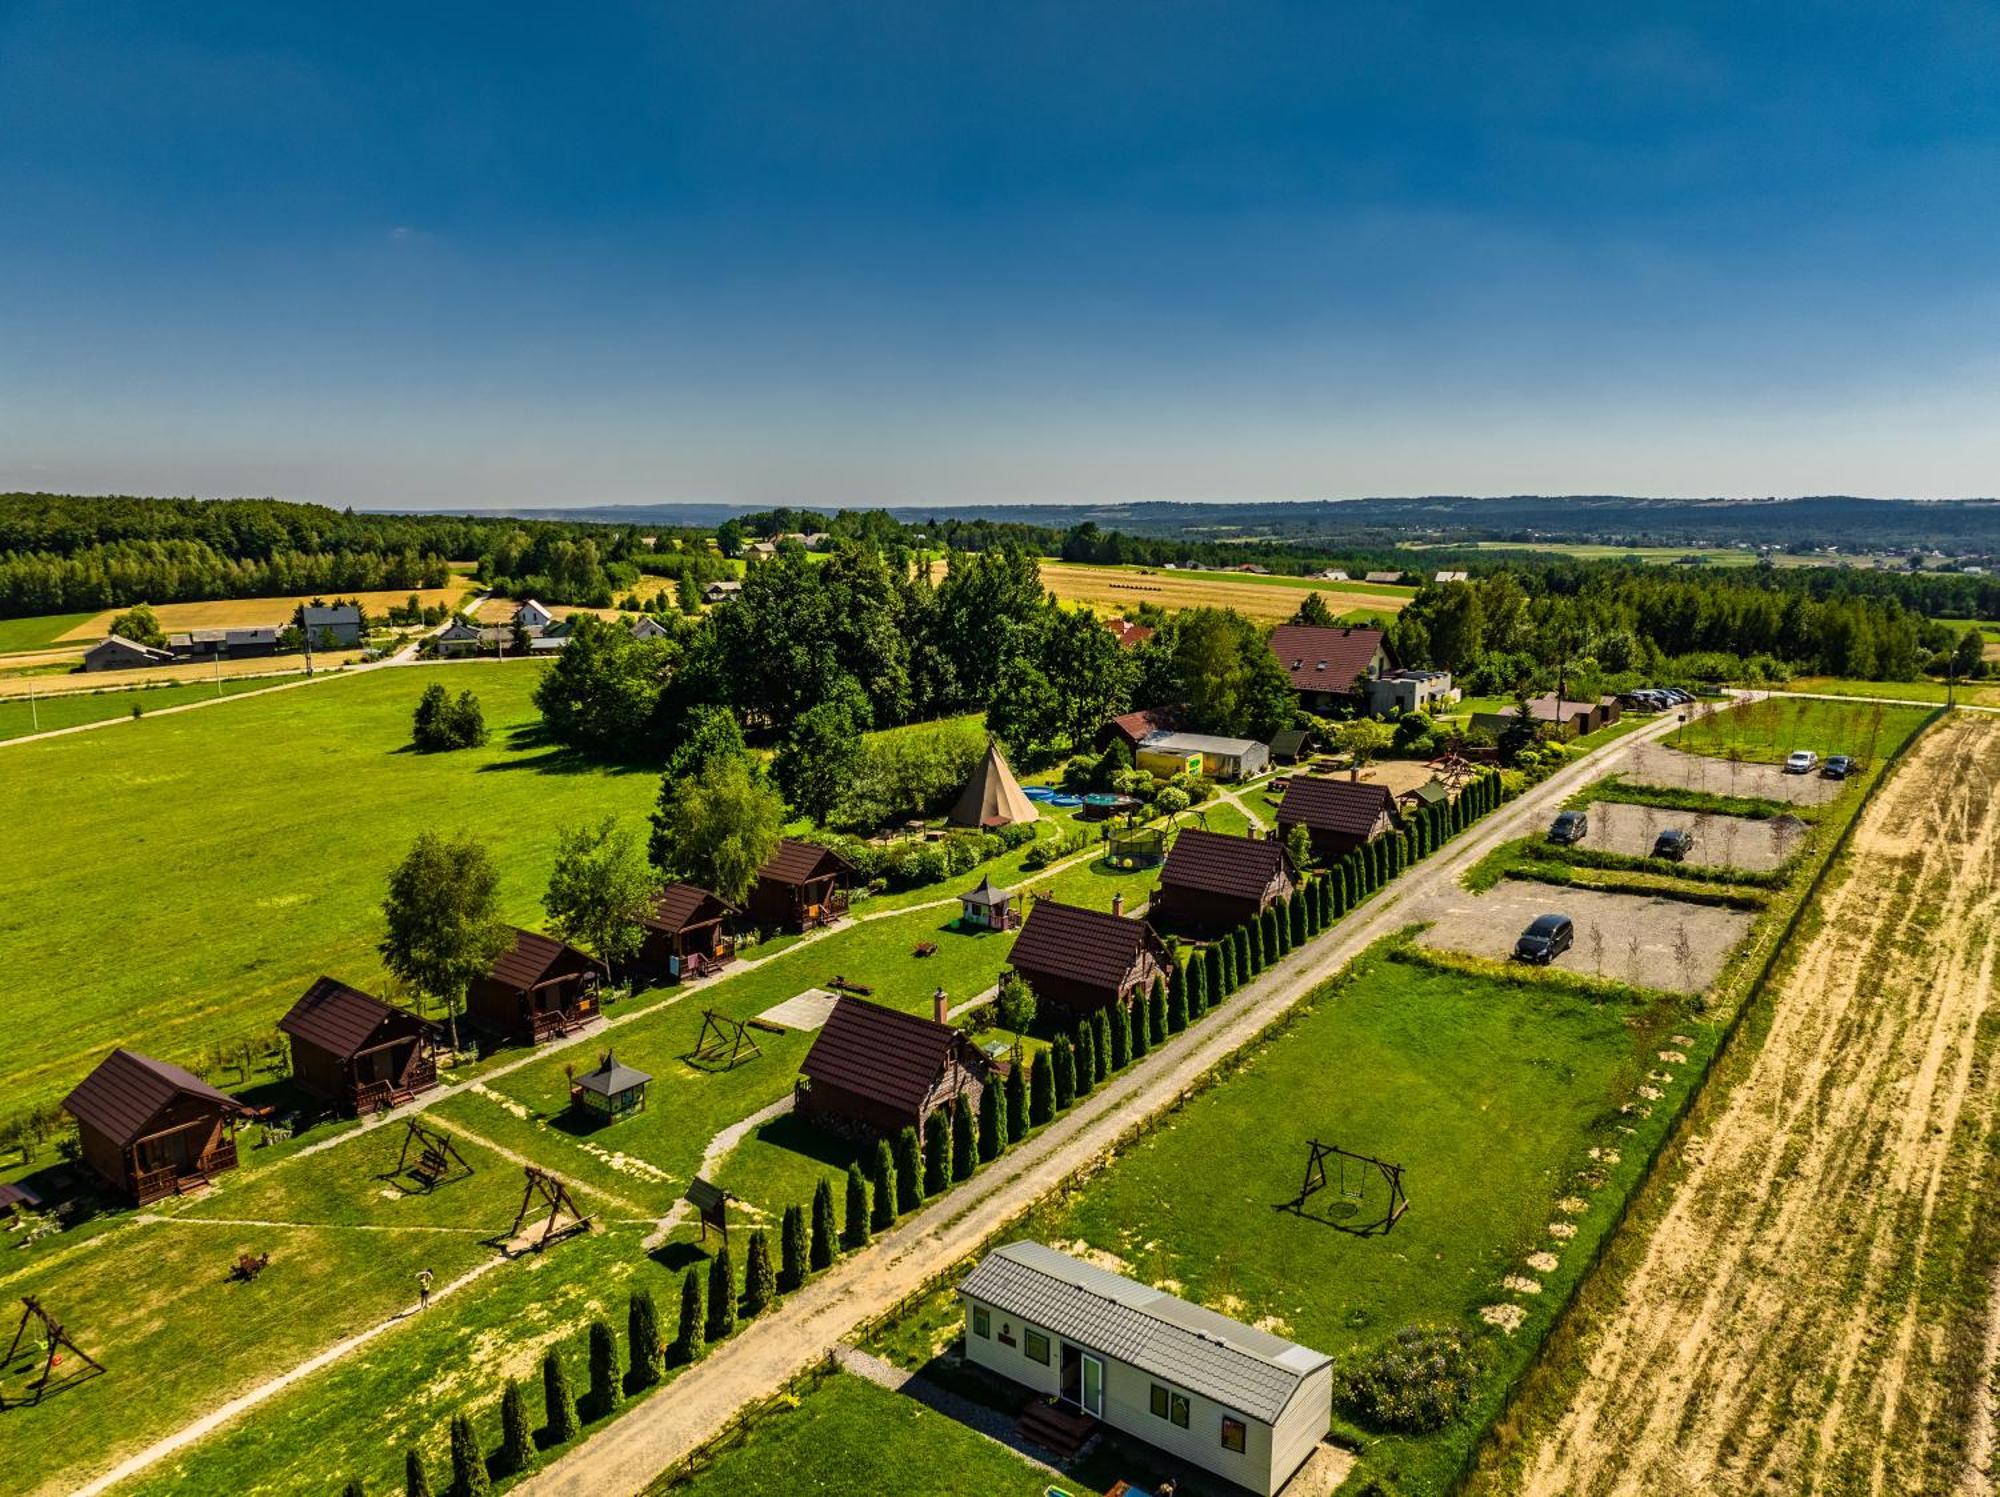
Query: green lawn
[40, 632]
[850, 1436]
[1768, 731]
[179, 881]
[1968, 693]
[69, 709]
[1491, 1093]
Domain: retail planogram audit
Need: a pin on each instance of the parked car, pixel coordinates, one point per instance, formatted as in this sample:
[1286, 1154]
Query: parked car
[1673, 844]
[1642, 701]
[1837, 767]
[1679, 697]
[1570, 826]
[1547, 938]
[1801, 761]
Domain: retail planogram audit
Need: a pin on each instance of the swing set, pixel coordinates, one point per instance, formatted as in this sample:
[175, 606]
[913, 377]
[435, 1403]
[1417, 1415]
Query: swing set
[1351, 1183]
[544, 1189]
[55, 1340]
[438, 1160]
[723, 1043]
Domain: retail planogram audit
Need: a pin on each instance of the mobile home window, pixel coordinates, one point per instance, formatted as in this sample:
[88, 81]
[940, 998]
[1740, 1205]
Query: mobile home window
[1159, 1402]
[1233, 1434]
[1036, 1346]
[982, 1321]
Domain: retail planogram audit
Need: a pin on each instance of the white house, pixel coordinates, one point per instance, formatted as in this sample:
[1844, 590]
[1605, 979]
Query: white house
[1411, 691]
[531, 615]
[720, 592]
[1226, 1397]
[645, 626]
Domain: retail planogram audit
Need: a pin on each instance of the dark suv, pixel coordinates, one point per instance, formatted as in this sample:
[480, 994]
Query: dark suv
[1545, 940]
[1673, 844]
[1837, 767]
[1570, 826]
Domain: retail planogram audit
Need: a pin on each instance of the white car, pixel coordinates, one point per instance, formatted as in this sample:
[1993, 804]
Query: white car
[1801, 761]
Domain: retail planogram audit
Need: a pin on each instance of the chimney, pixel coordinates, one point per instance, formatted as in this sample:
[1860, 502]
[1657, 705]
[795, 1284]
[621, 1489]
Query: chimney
[940, 1006]
[1354, 773]
[1118, 903]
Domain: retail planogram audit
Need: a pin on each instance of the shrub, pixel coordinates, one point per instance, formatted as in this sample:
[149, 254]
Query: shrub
[1016, 1120]
[937, 1152]
[1177, 1009]
[721, 1296]
[760, 1280]
[1120, 1027]
[517, 1451]
[687, 1345]
[824, 1235]
[992, 1120]
[558, 1402]
[604, 1388]
[962, 1140]
[882, 1216]
[1100, 1046]
[468, 1462]
[1042, 1101]
[855, 1232]
[1419, 1381]
[1170, 801]
[643, 1343]
[416, 1478]
[1065, 1073]
[792, 1249]
[1085, 1058]
[909, 1172]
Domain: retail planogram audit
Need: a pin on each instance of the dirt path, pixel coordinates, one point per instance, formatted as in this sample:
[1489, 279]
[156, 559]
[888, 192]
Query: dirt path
[658, 1434]
[1808, 1313]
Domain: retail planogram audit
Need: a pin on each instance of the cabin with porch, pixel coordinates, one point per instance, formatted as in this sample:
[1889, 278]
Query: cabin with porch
[151, 1130]
[800, 886]
[1212, 883]
[356, 1052]
[1338, 815]
[684, 933]
[874, 1071]
[538, 989]
[1081, 960]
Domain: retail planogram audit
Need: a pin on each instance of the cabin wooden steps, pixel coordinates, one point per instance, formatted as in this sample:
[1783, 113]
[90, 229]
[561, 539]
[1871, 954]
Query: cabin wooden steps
[1059, 1430]
[191, 1185]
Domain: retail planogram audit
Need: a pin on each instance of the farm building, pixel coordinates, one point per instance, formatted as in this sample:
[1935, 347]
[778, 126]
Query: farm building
[1212, 882]
[612, 1091]
[150, 1129]
[532, 615]
[1291, 745]
[1338, 815]
[225, 644]
[1082, 960]
[1134, 727]
[1410, 691]
[876, 1070]
[1328, 666]
[1241, 1403]
[992, 797]
[1221, 758]
[1128, 634]
[1390, 577]
[1452, 577]
[1563, 717]
[357, 1052]
[537, 989]
[988, 907]
[720, 592]
[337, 622]
[117, 653]
[684, 935]
[801, 885]
[645, 626]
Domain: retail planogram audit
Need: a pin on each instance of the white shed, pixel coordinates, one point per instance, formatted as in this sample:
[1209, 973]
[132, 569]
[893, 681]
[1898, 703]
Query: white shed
[1221, 1395]
[1221, 758]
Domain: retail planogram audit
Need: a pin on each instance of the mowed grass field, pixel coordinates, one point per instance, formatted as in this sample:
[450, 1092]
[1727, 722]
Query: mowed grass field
[39, 632]
[180, 880]
[241, 613]
[1768, 731]
[68, 709]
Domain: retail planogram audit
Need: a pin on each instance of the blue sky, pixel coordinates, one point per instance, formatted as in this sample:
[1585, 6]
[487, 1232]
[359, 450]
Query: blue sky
[933, 253]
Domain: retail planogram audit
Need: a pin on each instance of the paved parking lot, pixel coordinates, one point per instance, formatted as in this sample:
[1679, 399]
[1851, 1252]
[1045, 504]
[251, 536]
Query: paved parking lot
[1650, 764]
[1652, 942]
[1719, 841]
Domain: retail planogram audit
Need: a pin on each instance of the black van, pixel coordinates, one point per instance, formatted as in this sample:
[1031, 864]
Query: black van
[1545, 940]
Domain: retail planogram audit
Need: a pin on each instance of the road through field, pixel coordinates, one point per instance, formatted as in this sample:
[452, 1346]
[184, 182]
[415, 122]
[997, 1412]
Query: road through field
[1809, 1313]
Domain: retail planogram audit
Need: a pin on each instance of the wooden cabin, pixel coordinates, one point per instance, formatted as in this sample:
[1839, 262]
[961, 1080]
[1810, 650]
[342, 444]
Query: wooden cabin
[1212, 883]
[357, 1052]
[539, 988]
[1080, 960]
[150, 1129]
[876, 1071]
[1338, 815]
[801, 885]
[610, 1092]
[684, 934]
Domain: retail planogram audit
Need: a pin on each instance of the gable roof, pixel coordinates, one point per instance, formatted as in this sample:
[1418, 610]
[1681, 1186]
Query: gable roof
[1430, 793]
[1237, 1366]
[680, 905]
[611, 1077]
[1315, 657]
[882, 1054]
[118, 644]
[1087, 946]
[1129, 634]
[1134, 726]
[1240, 867]
[533, 957]
[1290, 742]
[328, 613]
[128, 1090]
[796, 862]
[1328, 805]
[341, 1020]
[992, 797]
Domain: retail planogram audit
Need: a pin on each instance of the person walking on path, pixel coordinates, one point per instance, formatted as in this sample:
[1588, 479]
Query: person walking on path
[423, 1289]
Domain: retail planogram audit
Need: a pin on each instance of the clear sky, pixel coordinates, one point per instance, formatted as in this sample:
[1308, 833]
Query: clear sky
[432, 254]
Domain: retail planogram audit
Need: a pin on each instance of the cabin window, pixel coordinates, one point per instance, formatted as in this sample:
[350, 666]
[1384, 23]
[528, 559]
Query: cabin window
[1234, 1434]
[1170, 1406]
[982, 1322]
[1035, 1346]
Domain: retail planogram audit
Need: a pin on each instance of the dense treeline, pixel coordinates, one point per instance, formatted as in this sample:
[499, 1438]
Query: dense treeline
[179, 571]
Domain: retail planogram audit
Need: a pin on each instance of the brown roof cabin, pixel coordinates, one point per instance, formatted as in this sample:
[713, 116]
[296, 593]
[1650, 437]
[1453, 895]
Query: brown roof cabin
[1083, 960]
[876, 1070]
[1338, 815]
[800, 885]
[357, 1052]
[1563, 717]
[684, 935]
[1212, 882]
[151, 1129]
[539, 988]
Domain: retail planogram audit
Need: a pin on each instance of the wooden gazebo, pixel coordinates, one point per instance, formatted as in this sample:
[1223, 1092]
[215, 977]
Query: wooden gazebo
[684, 935]
[538, 989]
[357, 1052]
[150, 1129]
[989, 907]
[610, 1092]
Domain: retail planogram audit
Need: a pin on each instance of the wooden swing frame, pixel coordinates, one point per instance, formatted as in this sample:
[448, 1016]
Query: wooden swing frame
[722, 1043]
[1315, 1181]
[434, 1159]
[56, 1340]
[547, 1189]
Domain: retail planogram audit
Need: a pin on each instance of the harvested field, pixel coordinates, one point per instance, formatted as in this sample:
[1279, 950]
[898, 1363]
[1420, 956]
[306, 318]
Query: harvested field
[1625, 937]
[79, 683]
[1113, 590]
[245, 613]
[1811, 1310]
[502, 610]
[1719, 841]
[1651, 764]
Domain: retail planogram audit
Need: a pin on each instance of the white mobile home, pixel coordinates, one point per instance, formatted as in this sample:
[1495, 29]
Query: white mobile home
[1220, 1395]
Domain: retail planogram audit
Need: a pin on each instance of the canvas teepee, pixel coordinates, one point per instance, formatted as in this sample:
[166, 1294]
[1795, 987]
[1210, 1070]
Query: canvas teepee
[992, 797]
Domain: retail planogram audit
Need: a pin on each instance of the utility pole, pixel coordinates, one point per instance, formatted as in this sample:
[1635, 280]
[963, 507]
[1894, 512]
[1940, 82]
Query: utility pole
[34, 712]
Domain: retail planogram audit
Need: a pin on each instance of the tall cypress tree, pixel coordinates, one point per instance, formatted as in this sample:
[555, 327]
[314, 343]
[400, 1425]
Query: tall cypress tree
[882, 1214]
[937, 1152]
[1141, 1023]
[517, 1450]
[1042, 1099]
[1100, 1046]
[687, 1345]
[416, 1479]
[721, 1296]
[992, 1115]
[643, 1345]
[1299, 922]
[1225, 968]
[792, 1249]
[909, 1172]
[855, 1232]
[558, 1402]
[1085, 1058]
[468, 1461]
[1212, 990]
[1063, 1064]
[1177, 1014]
[962, 1140]
[604, 1388]
[825, 1235]
[760, 1279]
[1156, 1013]
[1017, 1105]
[1267, 934]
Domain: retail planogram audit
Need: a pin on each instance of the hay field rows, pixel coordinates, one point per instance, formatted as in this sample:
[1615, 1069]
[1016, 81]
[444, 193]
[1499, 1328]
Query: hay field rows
[244, 613]
[1266, 600]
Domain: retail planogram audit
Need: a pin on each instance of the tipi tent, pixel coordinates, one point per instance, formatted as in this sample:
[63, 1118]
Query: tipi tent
[992, 797]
